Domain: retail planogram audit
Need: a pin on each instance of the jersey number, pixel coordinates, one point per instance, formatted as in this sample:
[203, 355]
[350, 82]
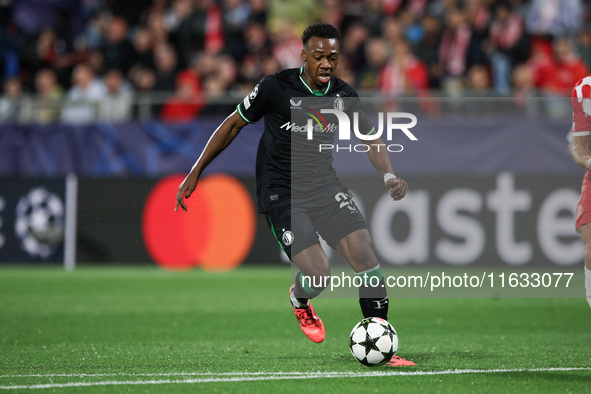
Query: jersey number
[346, 200]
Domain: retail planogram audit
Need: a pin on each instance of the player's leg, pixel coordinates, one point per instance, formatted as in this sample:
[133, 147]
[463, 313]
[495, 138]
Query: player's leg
[296, 235]
[314, 272]
[585, 232]
[357, 249]
[583, 226]
[343, 227]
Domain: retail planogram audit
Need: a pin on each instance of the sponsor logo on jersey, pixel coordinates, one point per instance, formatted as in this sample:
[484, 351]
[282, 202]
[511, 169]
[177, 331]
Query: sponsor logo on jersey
[329, 128]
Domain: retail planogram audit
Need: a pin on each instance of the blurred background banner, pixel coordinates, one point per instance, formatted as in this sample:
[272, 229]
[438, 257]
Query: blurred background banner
[32, 220]
[459, 220]
[107, 150]
[446, 145]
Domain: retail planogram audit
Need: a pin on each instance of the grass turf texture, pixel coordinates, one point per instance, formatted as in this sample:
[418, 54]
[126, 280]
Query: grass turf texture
[144, 324]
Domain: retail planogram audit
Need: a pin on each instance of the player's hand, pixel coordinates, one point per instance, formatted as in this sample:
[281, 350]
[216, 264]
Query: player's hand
[186, 188]
[398, 188]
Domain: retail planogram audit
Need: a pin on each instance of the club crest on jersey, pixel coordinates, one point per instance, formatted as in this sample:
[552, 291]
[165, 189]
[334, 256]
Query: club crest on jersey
[338, 104]
[287, 238]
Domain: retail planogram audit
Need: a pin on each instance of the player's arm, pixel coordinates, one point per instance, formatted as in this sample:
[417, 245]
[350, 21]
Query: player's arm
[579, 150]
[219, 140]
[380, 159]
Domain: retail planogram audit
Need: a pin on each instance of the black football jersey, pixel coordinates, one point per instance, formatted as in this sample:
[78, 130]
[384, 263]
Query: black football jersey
[290, 167]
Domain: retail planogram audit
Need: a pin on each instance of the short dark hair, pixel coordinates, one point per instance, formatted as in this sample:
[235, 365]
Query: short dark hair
[320, 30]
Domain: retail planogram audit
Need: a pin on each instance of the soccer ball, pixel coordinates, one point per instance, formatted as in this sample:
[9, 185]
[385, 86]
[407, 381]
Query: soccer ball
[373, 341]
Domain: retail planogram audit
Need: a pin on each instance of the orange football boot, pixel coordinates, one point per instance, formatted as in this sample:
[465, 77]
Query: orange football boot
[310, 322]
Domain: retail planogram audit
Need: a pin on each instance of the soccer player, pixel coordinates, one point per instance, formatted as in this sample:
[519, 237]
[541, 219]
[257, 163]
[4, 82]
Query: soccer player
[579, 150]
[333, 213]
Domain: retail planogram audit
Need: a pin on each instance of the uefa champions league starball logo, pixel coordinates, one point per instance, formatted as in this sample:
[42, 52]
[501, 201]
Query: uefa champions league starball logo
[39, 223]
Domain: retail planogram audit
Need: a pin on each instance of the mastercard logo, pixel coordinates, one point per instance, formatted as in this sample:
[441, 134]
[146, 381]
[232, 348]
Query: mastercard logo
[215, 234]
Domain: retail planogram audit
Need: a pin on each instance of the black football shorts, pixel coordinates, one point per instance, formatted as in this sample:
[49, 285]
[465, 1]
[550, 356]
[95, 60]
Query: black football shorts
[297, 227]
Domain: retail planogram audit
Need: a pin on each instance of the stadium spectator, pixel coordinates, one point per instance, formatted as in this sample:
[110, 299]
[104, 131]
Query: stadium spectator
[559, 18]
[270, 66]
[540, 61]
[403, 74]
[446, 36]
[193, 75]
[506, 44]
[178, 11]
[352, 47]
[426, 49]
[257, 46]
[235, 14]
[117, 50]
[11, 101]
[477, 82]
[143, 80]
[376, 56]
[203, 30]
[413, 30]
[96, 61]
[45, 49]
[566, 70]
[117, 104]
[392, 30]
[584, 47]
[373, 16]
[184, 105]
[9, 53]
[286, 46]
[524, 90]
[166, 63]
[459, 50]
[214, 91]
[47, 102]
[479, 16]
[258, 11]
[82, 98]
[143, 45]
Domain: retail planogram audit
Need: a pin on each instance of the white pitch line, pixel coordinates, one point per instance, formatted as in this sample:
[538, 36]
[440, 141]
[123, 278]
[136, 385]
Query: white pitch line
[263, 376]
[259, 373]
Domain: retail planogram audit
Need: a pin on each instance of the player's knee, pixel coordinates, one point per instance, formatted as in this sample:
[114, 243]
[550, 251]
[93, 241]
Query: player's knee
[364, 258]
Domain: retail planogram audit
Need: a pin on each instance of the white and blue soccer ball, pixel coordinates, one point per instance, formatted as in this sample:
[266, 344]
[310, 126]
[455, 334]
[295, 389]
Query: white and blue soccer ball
[373, 341]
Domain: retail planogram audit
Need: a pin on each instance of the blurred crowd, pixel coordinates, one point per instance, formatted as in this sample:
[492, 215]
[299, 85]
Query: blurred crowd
[90, 60]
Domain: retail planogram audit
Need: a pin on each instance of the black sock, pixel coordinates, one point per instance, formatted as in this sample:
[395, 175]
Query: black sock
[373, 296]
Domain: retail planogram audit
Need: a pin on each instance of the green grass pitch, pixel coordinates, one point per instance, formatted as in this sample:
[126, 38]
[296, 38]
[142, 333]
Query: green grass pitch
[105, 330]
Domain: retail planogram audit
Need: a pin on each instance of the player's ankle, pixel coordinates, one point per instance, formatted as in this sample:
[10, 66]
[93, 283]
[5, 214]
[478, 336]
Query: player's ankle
[299, 302]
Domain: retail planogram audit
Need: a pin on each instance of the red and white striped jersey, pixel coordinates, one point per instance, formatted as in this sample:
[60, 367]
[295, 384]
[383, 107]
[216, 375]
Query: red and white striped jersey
[581, 102]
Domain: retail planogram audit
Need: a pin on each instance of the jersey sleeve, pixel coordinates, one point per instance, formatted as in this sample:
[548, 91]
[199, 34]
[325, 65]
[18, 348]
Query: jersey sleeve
[365, 126]
[581, 102]
[257, 103]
